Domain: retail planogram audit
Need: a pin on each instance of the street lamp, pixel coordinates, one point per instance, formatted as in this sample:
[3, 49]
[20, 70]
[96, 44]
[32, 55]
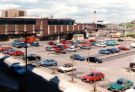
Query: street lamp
[26, 66]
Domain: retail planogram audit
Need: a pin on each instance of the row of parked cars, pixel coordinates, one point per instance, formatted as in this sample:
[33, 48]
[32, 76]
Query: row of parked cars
[11, 51]
[113, 50]
[65, 46]
[22, 44]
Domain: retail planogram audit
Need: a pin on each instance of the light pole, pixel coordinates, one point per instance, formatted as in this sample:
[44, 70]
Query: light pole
[26, 66]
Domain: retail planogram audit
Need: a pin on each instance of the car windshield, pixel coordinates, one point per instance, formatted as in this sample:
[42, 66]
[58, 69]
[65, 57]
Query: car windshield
[91, 74]
[119, 82]
[18, 67]
[12, 50]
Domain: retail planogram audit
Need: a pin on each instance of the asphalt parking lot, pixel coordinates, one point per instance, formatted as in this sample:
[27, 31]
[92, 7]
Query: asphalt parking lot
[114, 66]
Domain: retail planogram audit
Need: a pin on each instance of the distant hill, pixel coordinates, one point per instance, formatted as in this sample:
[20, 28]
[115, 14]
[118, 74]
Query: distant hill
[128, 25]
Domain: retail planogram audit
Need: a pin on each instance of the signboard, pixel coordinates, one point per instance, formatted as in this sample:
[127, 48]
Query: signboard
[78, 36]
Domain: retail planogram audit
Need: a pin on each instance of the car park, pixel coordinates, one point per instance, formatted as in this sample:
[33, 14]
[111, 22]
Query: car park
[94, 60]
[121, 85]
[92, 77]
[67, 67]
[18, 69]
[31, 57]
[104, 51]
[77, 57]
[123, 48]
[48, 62]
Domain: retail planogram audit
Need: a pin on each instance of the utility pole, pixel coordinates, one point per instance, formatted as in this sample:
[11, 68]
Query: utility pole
[26, 66]
[125, 29]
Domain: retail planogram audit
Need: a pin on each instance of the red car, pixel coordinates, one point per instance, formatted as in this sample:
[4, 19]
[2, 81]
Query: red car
[123, 48]
[65, 42]
[4, 48]
[51, 43]
[59, 50]
[93, 76]
[15, 53]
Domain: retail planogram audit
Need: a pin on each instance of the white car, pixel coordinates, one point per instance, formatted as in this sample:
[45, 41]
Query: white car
[132, 45]
[72, 49]
[67, 67]
[101, 44]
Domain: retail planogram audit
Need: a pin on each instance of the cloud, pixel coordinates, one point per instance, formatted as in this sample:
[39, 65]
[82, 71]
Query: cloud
[82, 10]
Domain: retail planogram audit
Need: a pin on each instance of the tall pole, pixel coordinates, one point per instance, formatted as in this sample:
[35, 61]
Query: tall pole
[125, 29]
[26, 67]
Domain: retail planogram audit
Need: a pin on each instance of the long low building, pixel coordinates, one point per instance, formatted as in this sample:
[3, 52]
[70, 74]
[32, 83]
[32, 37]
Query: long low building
[43, 27]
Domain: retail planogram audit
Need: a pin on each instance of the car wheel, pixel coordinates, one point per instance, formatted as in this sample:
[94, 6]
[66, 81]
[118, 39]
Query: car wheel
[44, 65]
[91, 81]
[64, 71]
[102, 79]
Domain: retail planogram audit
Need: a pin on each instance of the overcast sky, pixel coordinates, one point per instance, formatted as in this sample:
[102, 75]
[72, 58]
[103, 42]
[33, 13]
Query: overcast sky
[112, 11]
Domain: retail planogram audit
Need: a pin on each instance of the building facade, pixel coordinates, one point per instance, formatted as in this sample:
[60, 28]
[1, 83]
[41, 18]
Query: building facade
[13, 13]
[42, 27]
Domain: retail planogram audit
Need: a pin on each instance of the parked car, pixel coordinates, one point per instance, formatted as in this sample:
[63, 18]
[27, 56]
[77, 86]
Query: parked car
[92, 77]
[100, 44]
[120, 85]
[32, 57]
[20, 45]
[18, 69]
[85, 47]
[8, 50]
[123, 48]
[77, 57]
[111, 43]
[132, 45]
[4, 48]
[36, 44]
[104, 51]
[48, 62]
[14, 52]
[113, 50]
[67, 67]
[59, 50]
[49, 48]
[51, 43]
[94, 59]
[71, 49]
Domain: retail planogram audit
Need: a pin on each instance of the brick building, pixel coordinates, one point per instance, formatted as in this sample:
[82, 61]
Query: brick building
[42, 27]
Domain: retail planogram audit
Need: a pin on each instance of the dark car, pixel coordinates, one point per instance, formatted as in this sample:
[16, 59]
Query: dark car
[113, 50]
[32, 57]
[104, 51]
[94, 59]
[21, 45]
[77, 57]
[18, 69]
[36, 44]
[48, 62]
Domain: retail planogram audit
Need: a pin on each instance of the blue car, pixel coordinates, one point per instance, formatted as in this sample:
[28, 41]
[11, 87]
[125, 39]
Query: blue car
[36, 44]
[77, 57]
[111, 43]
[113, 50]
[48, 62]
[104, 51]
[19, 44]
[18, 69]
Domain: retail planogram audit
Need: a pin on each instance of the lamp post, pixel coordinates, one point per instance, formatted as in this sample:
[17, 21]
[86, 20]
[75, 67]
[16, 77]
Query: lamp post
[26, 66]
